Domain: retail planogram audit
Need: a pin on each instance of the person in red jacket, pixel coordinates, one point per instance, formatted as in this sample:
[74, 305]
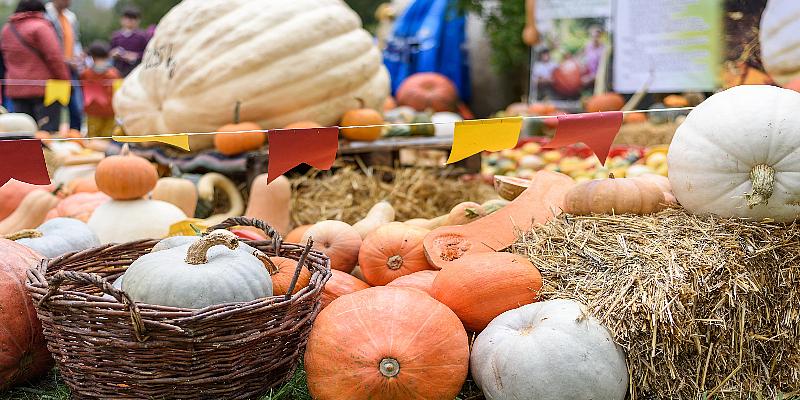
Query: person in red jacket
[31, 51]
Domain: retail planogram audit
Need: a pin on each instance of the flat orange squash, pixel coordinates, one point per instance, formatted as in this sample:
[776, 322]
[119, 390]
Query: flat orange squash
[537, 204]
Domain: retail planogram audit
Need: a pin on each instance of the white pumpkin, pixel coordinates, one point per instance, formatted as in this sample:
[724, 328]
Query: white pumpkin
[546, 351]
[285, 60]
[738, 155]
[67, 174]
[208, 271]
[120, 221]
[445, 123]
[58, 236]
[780, 40]
[17, 123]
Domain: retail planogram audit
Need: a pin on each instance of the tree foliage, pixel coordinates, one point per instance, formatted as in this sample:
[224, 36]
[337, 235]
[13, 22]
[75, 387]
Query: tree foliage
[505, 20]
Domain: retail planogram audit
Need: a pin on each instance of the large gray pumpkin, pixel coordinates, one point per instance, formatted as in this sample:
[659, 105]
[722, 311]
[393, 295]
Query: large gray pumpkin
[546, 351]
[58, 236]
[204, 272]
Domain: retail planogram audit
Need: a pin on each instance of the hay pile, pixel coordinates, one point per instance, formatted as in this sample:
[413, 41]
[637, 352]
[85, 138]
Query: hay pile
[349, 193]
[702, 306]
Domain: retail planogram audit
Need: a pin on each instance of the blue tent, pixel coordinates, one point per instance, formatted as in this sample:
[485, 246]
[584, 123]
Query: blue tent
[430, 36]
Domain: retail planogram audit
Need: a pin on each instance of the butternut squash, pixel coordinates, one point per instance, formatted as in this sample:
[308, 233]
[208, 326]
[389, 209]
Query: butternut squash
[271, 203]
[380, 214]
[212, 181]
[537, 204]
[30, 213]
[464, 213]
[431, 224]
[179, 192]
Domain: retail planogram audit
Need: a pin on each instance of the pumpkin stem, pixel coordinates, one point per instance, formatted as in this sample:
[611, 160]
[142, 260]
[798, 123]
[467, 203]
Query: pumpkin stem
[23, 234]
[271, 267]
[611, 175]
[389, 367]
[394, 262]
[198, 251]
[361, 102]
[126, 150]
[237, 112]
[763, 178]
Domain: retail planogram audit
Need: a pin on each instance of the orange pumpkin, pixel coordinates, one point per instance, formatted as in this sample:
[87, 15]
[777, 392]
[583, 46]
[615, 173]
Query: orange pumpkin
[339, 285]
[676, 100]
[23, 350]
[282, 274]
[389, 104]
[79, 206]
[542, 109]
[422, 280]
[231, 144]
[605, 102]
[82, 185]
[428, 91]
[296, 235]
[567, 78]
[12, 193]
[479, 287]
[391, 251]
[386, 343]
[634, 118]
[362, 117]
[125, 176]
[338, 240]
[303, 125]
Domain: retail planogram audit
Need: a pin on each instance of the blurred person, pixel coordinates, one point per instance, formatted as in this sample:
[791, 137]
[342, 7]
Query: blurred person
[65, 23]
[31, 51]
[593, 52]
[128, 43]
[98, 90]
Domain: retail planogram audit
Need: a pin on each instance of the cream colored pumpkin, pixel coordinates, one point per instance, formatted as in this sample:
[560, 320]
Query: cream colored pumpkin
[737, 155]
[120, 221]
[17, 123]
[780, 40]
[285, 60]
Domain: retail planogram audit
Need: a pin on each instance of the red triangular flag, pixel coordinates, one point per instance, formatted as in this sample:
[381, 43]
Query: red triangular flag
[289, 148]
[23, 160]
[597, 130]
[94, 92]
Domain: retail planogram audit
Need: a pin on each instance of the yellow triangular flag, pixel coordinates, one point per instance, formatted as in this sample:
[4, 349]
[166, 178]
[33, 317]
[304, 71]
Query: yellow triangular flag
[116, 85]
[178, 140]
[474, 136]
[57, 90]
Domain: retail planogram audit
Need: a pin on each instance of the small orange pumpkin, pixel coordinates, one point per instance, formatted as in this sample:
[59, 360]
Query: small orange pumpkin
[231, 144]
[296, 234]
[125, 176]
[338, 240]
[479, 287]
[605, 102]
[391, 251]
[389, 104]
[634, 118]
[82, 185]
[542, 109]
[339, 285]
[361, 117]
[282, 274]
[422, 280]
[303, 125]
[618, 196]
[676, 100]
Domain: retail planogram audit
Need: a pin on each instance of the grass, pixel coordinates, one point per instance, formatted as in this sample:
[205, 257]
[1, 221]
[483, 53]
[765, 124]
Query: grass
[52, 388]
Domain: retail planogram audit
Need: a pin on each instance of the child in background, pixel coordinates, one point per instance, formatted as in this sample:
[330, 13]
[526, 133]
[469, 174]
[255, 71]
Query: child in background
[98, 91]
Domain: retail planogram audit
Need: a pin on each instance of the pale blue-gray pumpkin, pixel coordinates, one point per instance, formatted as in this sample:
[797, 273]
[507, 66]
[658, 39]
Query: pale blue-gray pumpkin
[57, 236]
[195, 274]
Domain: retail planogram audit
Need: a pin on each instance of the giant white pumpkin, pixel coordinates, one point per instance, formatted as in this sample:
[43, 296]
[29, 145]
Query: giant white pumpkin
[120, 221]
[285, 60]
[738, 155]
[550, 350]
[780, 40]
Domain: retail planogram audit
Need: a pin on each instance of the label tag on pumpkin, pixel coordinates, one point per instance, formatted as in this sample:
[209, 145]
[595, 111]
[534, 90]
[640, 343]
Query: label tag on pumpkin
[597, 130]
[187, 227]
[23, 160]
[289, 148]
[180, 140]
[57, 90]
[474, 136]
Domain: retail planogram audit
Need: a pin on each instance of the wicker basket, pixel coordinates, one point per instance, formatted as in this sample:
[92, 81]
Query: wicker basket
[113, 348]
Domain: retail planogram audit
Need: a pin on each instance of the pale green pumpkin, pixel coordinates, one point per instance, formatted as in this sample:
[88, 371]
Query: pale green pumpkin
[198, 273]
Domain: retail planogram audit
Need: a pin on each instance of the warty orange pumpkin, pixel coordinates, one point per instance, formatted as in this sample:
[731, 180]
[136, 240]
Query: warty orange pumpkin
[386, 343]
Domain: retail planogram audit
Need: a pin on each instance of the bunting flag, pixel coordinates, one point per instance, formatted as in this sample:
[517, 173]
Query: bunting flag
[596, 130]
[23, 160]
[289, 148]
[474, 136]
[116, 85]
[180, 140]
[57, 91]
[95, 93]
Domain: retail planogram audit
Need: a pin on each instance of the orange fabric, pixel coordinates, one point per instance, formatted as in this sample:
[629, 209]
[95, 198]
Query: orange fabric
[98, 92]
[69, 40]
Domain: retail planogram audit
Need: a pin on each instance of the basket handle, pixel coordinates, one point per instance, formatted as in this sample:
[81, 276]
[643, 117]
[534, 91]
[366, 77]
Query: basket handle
[300, 263]
[229, 223]
[60, 277]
